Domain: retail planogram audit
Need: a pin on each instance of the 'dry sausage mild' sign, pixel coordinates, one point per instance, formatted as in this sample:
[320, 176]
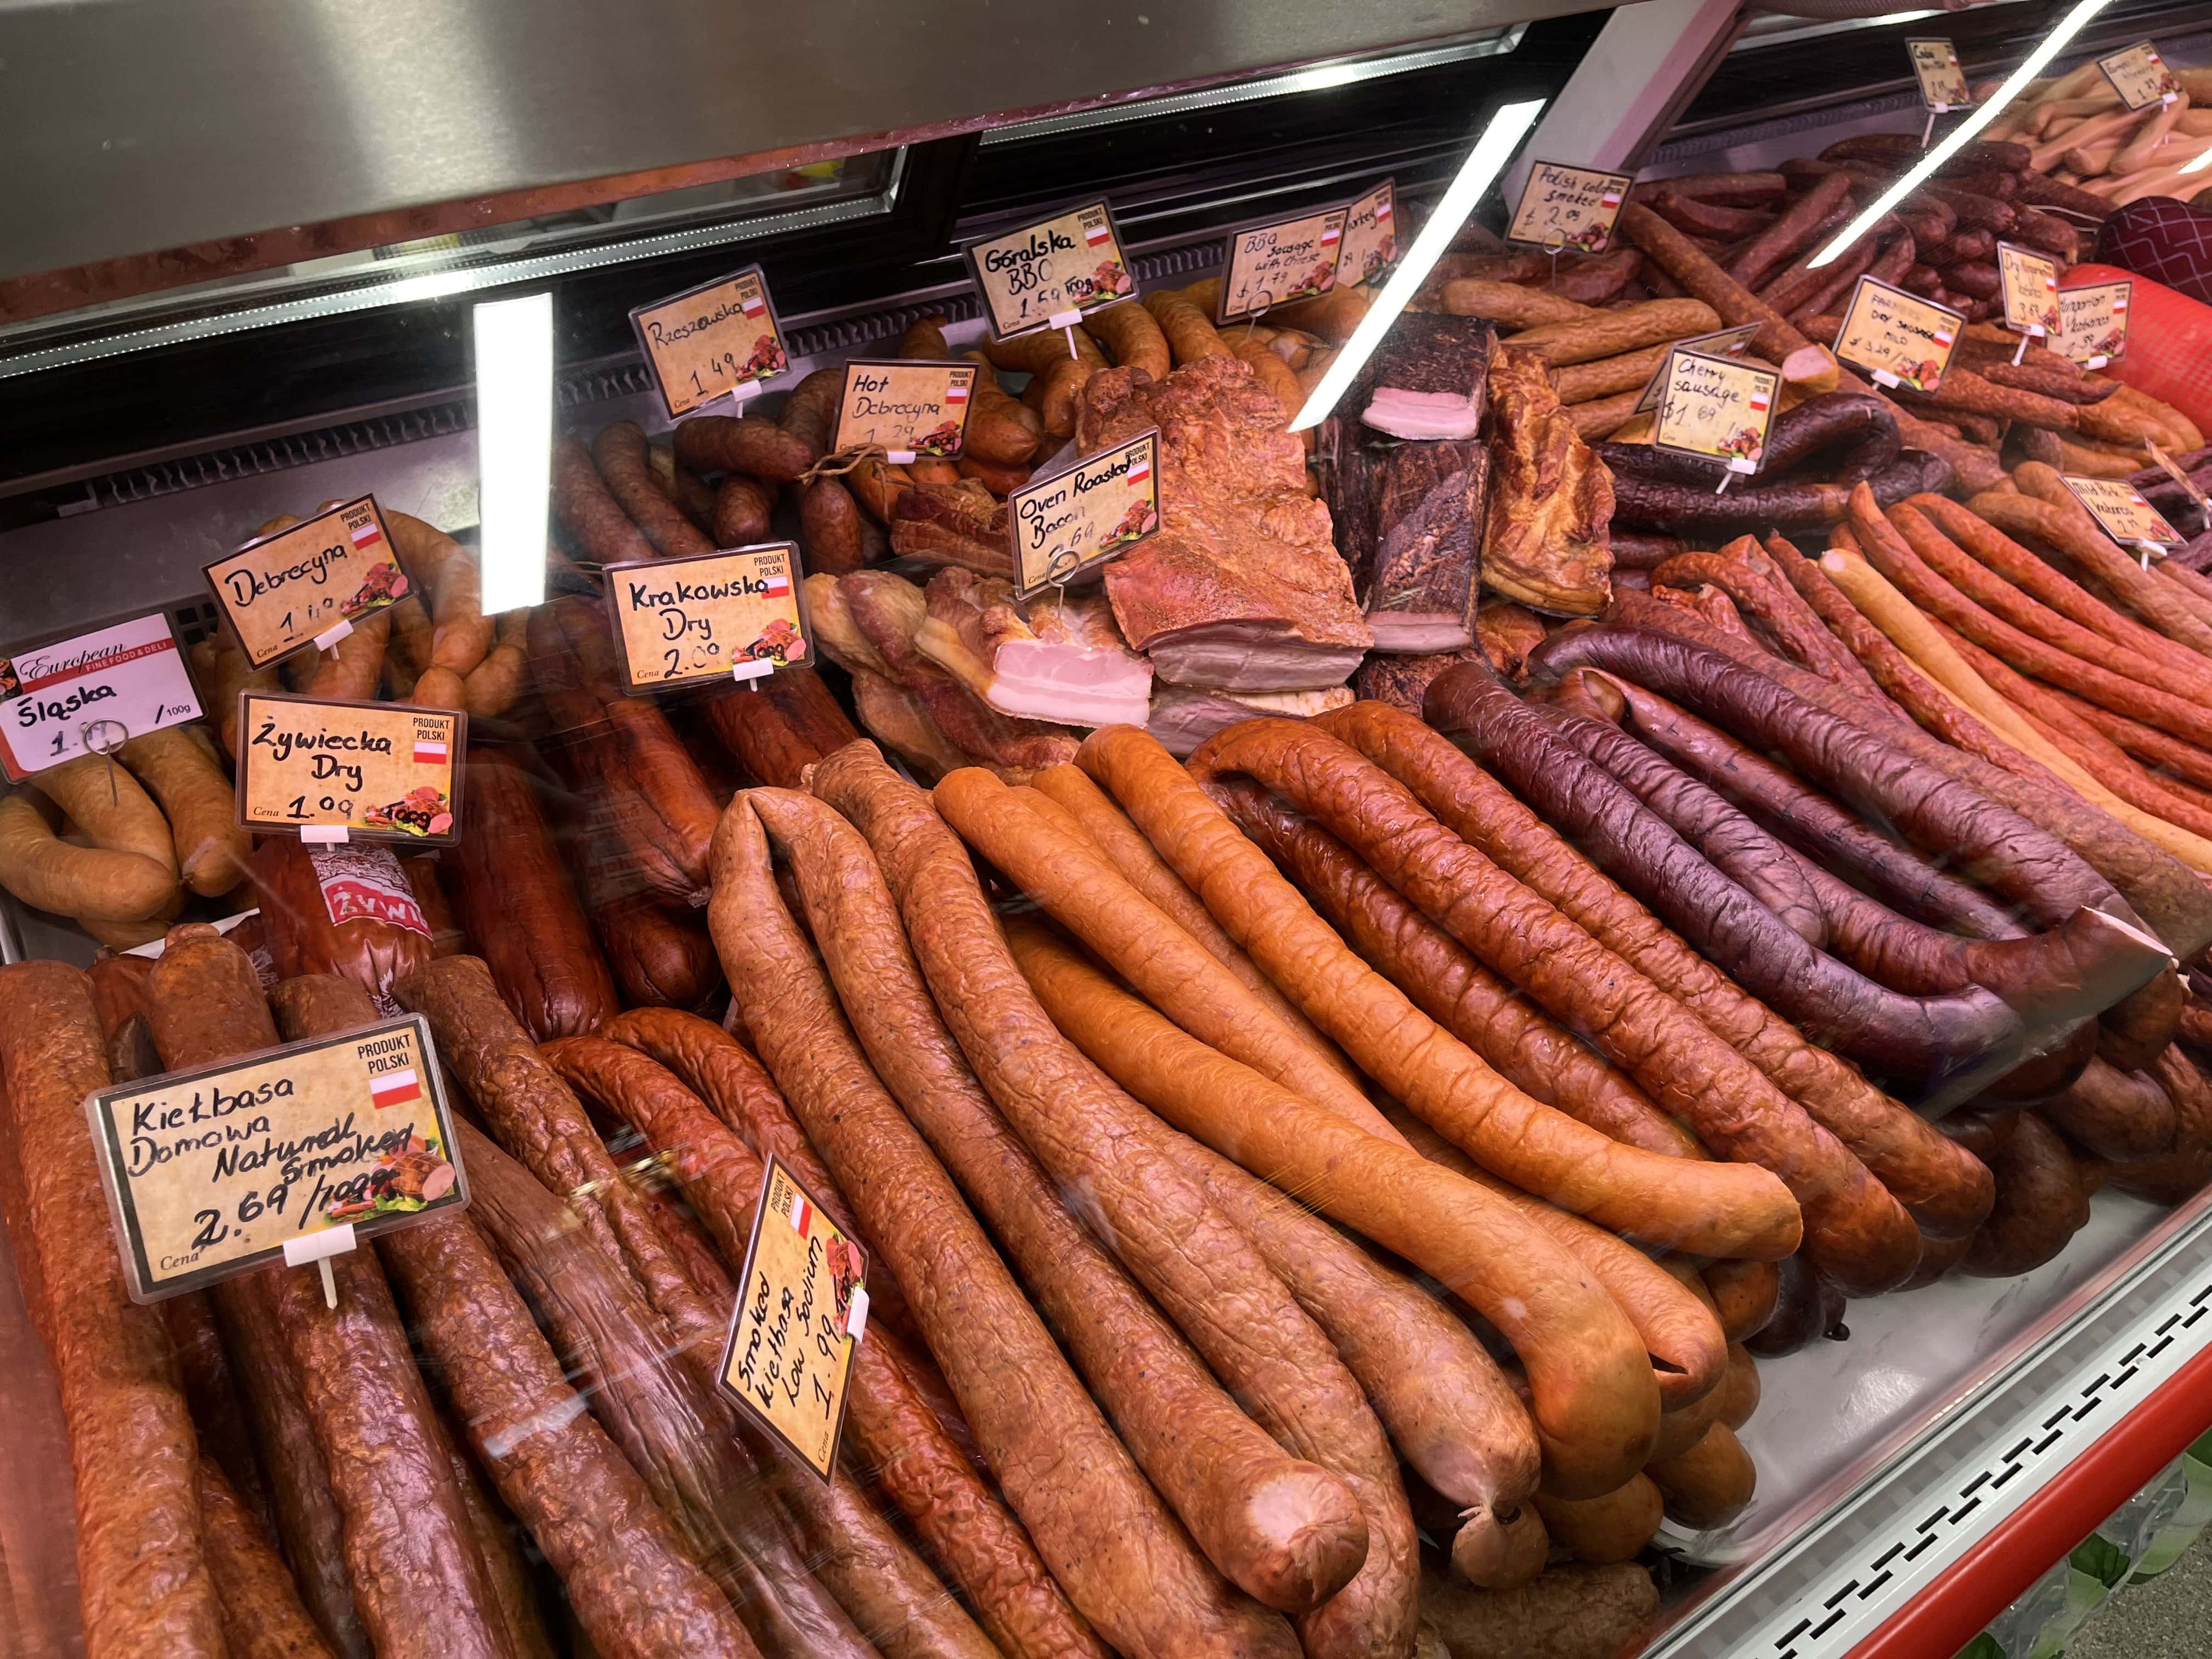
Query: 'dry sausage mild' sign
[209, 1173]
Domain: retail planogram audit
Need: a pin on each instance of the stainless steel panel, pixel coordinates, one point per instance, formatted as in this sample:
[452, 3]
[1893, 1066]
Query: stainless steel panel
[130, 126]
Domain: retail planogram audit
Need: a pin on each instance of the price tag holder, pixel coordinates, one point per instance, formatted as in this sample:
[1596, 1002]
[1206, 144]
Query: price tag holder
[708, 618]
[1369, 246]
[1271, 262]
[1573, 210]
[1721, 342]
[333, 771]
[87, 692]
[213, 1172]
[1898, 339]
[717, 340]
[2141, 76]
[1942, 82]
[2092, 322]
[909, 407]
[2119, 508]
[1056, 268]
[1716, 408]
[2030, 285]
[309, 584]
[1084, 515]
[802, 1309]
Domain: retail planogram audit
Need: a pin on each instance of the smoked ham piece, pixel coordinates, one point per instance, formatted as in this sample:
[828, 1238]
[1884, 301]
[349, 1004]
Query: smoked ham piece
[1057, 657]
[1243, 587]
[958, 524]
[1551, 500]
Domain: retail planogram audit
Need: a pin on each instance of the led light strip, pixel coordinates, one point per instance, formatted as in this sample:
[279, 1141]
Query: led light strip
[515, 447]
[2071, 25]
[1491, 151]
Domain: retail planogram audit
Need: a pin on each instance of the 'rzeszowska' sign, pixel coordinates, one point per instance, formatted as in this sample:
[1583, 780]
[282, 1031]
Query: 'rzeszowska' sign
[210, 1172]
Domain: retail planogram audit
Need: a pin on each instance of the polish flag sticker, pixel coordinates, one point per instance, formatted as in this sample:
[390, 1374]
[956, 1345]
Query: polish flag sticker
[394, 1088]
[957, 392]
[802, 1212]
[1942, 336]
[1382, 208]
[751, 305]
[1140, 469]
[366, 535]
[1097, 236]
[1758, 403]
[1611, 198]
[2120, 306]
[776, 588]
[1329, 234]
[429, 752]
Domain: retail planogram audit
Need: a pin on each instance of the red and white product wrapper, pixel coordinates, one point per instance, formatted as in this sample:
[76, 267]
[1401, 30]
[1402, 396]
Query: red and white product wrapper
[360, 882]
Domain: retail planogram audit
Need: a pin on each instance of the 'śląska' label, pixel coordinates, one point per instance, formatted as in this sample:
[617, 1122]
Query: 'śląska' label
[906, 406]
[88, 693]
[1370, 235]
[284, 591]
[376, 770]
[1065, 266]
[711, 341]
[2141, 76]
[210, 1172]
[686, 622]
[2029, 286]
[1084, 515]
[2127, 518]
[2092, 322]
[1942, 82]
[1899, 338]
[802, 1309]
[1569, 208]
[1716, 408]
[1275, 261]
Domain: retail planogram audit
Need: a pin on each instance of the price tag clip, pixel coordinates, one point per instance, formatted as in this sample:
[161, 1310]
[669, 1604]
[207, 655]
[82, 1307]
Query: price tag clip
[319, 1248]
[323, 834]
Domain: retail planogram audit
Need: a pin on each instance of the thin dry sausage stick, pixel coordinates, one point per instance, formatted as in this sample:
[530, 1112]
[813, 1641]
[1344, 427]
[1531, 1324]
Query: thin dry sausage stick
[634, 1590]
[1735, 1108]
[1730, 1209]
[725, 1074]
[141, 1573]
[1774, 604]
[1245, 1502]
[211, 1390]
[1530, 1049]
[1107, 824]
[620, 453]
[1195, 1264]
[960, 1520]
[1065, 872]
[1463, 1431]
[1110, 1542]
[1945, 1192]
[594, 519]
[262, 1616]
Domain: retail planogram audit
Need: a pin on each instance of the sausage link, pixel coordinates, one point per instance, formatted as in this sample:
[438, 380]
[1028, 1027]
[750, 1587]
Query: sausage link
[1744, 1296]
[261, 1617]
[743, 443]
[211, 1390]
[954, 1514]
[620, 453]
[1108, 1540]
[1614, 1526]
[1246, 1503]
[1710, 1485]
[2041, 1203]
[142, 1572]
[2123, 1116]
[594, 519]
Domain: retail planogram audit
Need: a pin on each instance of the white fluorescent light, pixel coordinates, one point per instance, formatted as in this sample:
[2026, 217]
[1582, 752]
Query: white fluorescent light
[2055, 42]
[515, 447]
[1492, 152]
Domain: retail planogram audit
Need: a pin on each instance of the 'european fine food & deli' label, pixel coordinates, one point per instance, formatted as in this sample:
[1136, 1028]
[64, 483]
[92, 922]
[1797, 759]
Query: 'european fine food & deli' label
[2119, 506]
[88, 693]
[284, 591]
[1569, 208]
[2092, 322]
[1721, 342]
[1942, 82]
[1275, 261]
[2141, 76]
[711, 341]
[2031, 289]
[1899, 338]
[907, 407]
[209, 1173]
[1370, 235]
[1069, 262]
[1084, 515]
[802, 1308]
[375, 770]
[1716, 408]
[684, 622]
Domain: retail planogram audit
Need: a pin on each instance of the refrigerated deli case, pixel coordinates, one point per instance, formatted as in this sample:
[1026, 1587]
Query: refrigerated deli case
[1918, 1464]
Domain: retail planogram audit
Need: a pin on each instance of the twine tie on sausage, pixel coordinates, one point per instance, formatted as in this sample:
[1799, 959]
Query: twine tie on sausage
[839, 462]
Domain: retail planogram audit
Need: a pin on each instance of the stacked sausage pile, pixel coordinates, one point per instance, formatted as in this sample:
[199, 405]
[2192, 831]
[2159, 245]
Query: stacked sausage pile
[2101, 153]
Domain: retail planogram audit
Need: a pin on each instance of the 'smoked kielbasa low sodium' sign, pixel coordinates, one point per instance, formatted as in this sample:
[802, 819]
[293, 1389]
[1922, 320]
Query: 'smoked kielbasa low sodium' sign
[211, 1173]
[713, 617]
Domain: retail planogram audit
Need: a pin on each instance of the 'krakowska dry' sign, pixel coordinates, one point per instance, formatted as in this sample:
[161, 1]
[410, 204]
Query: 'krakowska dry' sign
[685, 621]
